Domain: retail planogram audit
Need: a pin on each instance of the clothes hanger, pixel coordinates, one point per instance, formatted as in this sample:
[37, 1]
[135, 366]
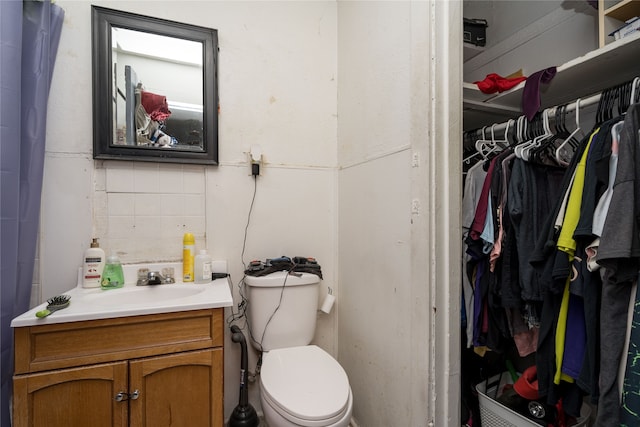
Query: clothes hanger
[599, 108]
[545, 153]
[624, 94]
[613, 98]
[545, 132]
[524, 135]
[533, 130]
[485, 146]
[469, 152]
[504, 142]
[521, 134]
[523, 129]
[467, 159]
[604, 106]
[562, 155]
[492, 146]
[481, 142]
[518, 132]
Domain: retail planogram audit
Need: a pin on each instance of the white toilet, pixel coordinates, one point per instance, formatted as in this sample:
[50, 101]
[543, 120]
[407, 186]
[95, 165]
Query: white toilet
[300, 384]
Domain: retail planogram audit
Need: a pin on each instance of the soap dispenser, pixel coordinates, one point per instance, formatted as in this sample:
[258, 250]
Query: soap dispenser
[113, 276]
[92, 265]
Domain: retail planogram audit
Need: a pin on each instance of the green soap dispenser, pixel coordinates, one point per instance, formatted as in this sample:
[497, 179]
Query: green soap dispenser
[113, 276]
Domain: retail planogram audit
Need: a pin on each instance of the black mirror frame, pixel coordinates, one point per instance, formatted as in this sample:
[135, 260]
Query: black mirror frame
[102, 21]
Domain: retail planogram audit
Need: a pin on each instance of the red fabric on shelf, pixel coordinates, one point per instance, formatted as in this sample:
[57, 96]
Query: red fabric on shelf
[495, 83]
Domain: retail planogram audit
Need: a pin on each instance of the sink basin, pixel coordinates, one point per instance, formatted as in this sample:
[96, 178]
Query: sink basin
[145, 295]
[132, 300]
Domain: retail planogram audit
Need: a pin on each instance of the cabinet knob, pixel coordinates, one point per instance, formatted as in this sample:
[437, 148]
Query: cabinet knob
[127, 396]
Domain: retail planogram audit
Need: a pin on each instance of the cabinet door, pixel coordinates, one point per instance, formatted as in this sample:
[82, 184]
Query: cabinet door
[183, 389]
[77, 397]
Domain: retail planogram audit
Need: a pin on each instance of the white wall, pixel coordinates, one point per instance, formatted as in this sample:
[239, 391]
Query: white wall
[278, 86]
[395, 229]
[374, 241]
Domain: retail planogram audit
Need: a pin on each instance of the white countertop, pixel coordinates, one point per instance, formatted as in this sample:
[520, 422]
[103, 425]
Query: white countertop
[132, 300]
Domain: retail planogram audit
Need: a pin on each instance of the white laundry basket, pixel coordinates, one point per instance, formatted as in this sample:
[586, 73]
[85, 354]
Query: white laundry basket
[495, 414]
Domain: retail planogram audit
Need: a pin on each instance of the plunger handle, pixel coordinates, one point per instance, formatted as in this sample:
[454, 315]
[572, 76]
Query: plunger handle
[238, 337]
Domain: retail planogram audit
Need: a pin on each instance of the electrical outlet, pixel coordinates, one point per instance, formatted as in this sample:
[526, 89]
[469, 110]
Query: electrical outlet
[255, 160]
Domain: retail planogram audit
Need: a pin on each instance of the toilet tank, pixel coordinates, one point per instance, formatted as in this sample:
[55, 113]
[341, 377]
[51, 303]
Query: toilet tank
[281, 309]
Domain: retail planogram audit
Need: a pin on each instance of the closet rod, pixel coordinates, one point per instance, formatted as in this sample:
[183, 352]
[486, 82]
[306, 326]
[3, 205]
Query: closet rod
[571, 106]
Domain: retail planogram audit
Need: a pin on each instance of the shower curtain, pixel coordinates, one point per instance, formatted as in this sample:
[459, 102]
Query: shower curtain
[29, 36]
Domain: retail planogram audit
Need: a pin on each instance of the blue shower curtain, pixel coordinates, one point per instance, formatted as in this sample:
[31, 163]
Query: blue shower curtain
[29, 36]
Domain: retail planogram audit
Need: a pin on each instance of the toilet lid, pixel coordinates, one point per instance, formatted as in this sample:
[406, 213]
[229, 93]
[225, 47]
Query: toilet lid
[305, 381]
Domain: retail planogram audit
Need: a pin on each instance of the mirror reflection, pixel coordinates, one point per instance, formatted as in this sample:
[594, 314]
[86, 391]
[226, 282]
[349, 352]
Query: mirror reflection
[151, 107]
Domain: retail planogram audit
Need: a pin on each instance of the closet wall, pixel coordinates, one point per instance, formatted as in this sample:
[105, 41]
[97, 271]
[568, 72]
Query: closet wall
[530, 35]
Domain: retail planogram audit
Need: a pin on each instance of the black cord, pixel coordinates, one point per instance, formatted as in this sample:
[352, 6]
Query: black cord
[282, 288]
[253, 199]
[242, 307]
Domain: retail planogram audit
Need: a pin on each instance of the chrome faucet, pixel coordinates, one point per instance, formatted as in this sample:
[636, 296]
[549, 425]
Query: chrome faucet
[146, 277]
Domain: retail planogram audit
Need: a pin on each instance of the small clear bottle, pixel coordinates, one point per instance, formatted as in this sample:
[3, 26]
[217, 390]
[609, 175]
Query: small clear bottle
[202, 267]
[113, 276]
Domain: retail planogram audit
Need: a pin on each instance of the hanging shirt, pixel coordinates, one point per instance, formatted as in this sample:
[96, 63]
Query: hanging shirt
[600, 212]
[488, 232]
[497, 247]
[595, 180]
[481, 209]
[472, 188]
[566, 242]
[619, 249]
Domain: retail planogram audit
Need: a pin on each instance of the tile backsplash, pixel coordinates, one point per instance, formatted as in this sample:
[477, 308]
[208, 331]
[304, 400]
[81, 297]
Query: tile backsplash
[142, 210]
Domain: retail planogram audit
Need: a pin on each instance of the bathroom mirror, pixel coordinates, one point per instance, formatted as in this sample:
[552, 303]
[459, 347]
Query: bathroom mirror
[155, 89]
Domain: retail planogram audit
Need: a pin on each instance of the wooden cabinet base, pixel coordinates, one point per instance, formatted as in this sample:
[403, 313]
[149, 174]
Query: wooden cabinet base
[171, 374]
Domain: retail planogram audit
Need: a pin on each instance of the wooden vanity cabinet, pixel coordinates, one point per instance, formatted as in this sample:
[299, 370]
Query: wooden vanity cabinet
[154, 370]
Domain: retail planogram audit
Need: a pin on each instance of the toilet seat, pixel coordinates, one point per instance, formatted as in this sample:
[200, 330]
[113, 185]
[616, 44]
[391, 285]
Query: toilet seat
[305, 385]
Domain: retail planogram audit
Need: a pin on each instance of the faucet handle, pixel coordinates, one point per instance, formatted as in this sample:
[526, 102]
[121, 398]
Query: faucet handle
[168, 274]
[143, 277]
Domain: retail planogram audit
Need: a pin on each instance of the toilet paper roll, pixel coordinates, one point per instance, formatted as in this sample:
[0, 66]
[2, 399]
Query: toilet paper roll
[327, 305]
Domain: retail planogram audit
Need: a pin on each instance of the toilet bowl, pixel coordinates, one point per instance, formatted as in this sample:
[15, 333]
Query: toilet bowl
[301, 385]
[304, 386]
